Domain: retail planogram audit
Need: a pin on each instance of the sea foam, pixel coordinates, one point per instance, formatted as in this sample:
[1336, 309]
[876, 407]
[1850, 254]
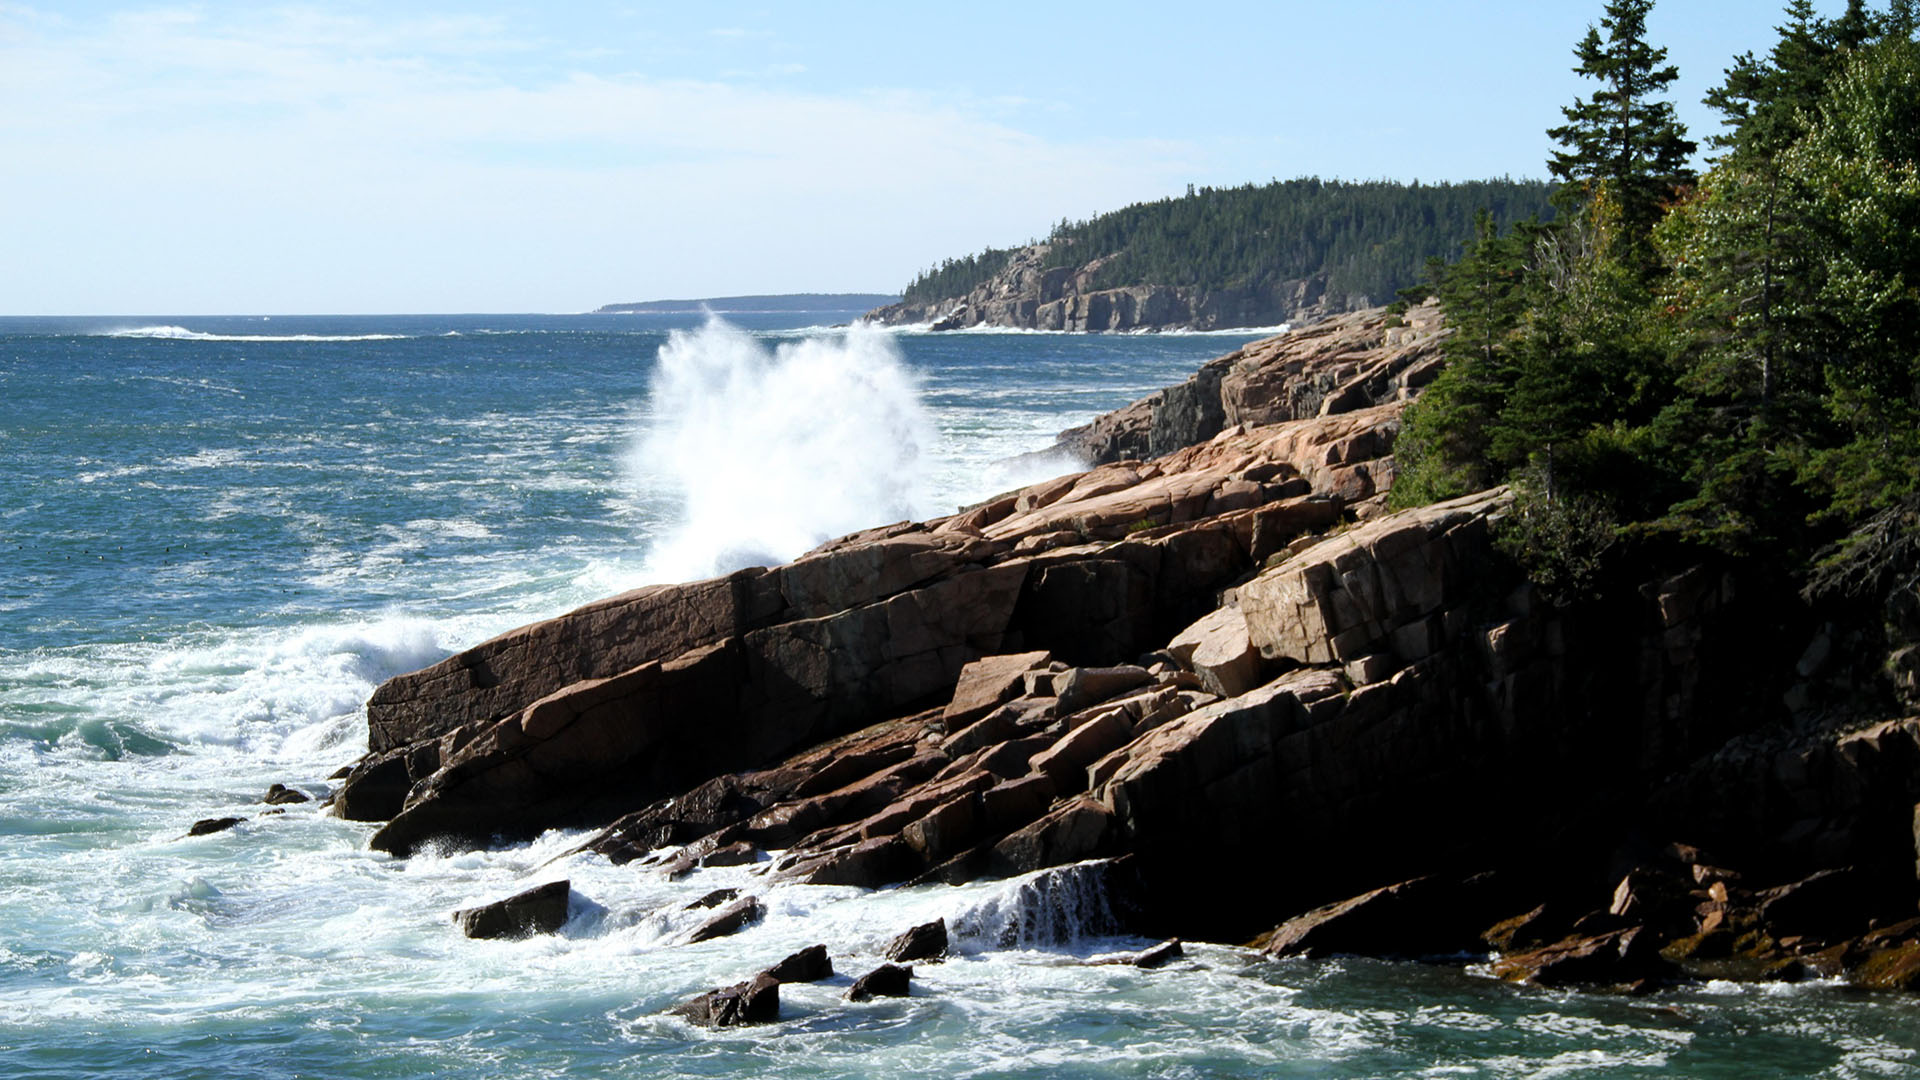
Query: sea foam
[181, 333]
[768, 452]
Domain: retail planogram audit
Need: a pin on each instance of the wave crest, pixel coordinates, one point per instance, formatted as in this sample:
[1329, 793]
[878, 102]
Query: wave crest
[181, 333]
[770, 452]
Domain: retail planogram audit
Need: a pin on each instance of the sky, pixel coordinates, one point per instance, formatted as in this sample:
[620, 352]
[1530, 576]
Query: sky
[255, 158]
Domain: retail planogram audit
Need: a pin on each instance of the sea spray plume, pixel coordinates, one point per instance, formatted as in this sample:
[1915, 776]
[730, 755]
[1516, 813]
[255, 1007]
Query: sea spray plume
[772, 452]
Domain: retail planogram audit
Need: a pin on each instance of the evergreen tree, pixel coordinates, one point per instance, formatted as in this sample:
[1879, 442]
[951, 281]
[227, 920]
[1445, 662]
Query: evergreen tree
[1767, 102]
[1443, 447]
[1625, 140]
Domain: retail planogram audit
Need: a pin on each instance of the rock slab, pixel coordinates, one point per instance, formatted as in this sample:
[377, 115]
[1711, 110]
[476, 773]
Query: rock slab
[539, 910]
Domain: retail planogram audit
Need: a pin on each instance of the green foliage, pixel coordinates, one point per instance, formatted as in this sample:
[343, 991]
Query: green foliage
[1734, 363]
[1561, 543]
[1368, 239]
[956, 277]
[1624, 142]
[1444, 447]
[1859, 169]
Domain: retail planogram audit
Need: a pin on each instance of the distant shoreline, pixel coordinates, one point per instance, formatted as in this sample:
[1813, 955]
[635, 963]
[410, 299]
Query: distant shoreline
[776, 304]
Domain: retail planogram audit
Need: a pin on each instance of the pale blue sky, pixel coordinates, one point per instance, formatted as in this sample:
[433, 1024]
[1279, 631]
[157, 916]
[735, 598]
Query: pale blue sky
[203, 158]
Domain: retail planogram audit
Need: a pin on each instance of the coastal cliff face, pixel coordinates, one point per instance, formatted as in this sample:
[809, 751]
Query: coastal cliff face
[1230, 665]
[1027, 296]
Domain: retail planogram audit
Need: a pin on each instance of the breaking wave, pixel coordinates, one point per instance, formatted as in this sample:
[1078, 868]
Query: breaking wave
[768, 452]
[181, 333]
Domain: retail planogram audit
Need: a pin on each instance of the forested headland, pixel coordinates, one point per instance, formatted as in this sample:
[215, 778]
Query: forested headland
[1367, 238]
[1727, 358]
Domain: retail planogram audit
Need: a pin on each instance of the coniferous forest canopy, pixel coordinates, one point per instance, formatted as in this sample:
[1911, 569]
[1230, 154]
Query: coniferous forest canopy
[1371, 238]
[1727, 359]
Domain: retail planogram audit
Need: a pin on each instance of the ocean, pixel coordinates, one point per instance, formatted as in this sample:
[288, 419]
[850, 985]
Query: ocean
[217, 535]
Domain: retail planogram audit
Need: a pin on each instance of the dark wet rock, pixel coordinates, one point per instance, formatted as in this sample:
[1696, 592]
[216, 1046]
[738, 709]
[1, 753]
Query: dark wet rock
[735, 854]
[1619, 958]
[713, 899]
[887, 980]
[1158, 956]
[731, 919]
[810, 964]
[868, 864]
[539, 910]
[1426, 916]
[928, 941]
[756, 1001]
[281, 794]
[206, 826]
[1830, 904]
[340, 773]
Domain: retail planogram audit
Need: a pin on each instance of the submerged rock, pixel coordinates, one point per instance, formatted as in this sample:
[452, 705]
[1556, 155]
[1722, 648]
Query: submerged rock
[213, 825]
[539, 910]
[731, 919]
[1160, 955]
[281, 794]
[756, 1001]
[713, 899]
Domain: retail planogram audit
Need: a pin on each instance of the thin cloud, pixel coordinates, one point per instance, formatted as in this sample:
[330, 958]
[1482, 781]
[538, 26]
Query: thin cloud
[300, 160]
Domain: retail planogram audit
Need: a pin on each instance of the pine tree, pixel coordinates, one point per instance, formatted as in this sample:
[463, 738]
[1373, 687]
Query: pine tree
[1768, 102]
[1624, 140]
[1443, 449]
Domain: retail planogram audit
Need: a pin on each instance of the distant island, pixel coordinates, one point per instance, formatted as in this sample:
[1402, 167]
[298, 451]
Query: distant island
[782, 304]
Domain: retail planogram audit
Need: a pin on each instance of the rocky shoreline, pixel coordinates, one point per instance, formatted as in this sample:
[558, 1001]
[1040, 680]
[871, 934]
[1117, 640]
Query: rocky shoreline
[1216, 661]
[1026, 295]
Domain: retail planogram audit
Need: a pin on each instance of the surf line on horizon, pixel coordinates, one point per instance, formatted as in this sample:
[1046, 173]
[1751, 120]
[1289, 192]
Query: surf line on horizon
[768, 451]
[181, 333]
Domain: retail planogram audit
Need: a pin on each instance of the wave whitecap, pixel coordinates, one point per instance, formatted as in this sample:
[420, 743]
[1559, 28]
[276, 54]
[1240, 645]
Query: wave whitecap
[181, 333]
[771, 451]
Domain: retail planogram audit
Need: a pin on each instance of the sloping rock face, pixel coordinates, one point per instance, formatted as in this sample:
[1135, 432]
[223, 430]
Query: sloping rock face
[1283, 706]
[1028, 296]
[601, 711]
[1353, 362]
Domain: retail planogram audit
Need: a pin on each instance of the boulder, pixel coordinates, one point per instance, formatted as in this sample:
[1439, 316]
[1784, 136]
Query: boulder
[729, 920]
[756, 1001]
[928, 941]
[539, 910]
[1065, 762]
[1081, 829]
[1081, 687]
[712, 899]
[1158, 956]
[988, 683]
[887, 980]
[1218, 650]
[810, 964]
[281, 794]
[1620, 957]
[1830, 905]
[206, 826]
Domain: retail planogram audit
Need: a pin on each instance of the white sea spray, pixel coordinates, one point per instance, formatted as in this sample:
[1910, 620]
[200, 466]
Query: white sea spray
[769, 451]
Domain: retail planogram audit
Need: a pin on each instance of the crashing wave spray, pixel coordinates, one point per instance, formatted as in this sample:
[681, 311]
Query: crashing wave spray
[772, 452]
[1063, 906]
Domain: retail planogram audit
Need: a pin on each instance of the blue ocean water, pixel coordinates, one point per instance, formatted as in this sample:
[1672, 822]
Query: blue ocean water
[218, 534]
